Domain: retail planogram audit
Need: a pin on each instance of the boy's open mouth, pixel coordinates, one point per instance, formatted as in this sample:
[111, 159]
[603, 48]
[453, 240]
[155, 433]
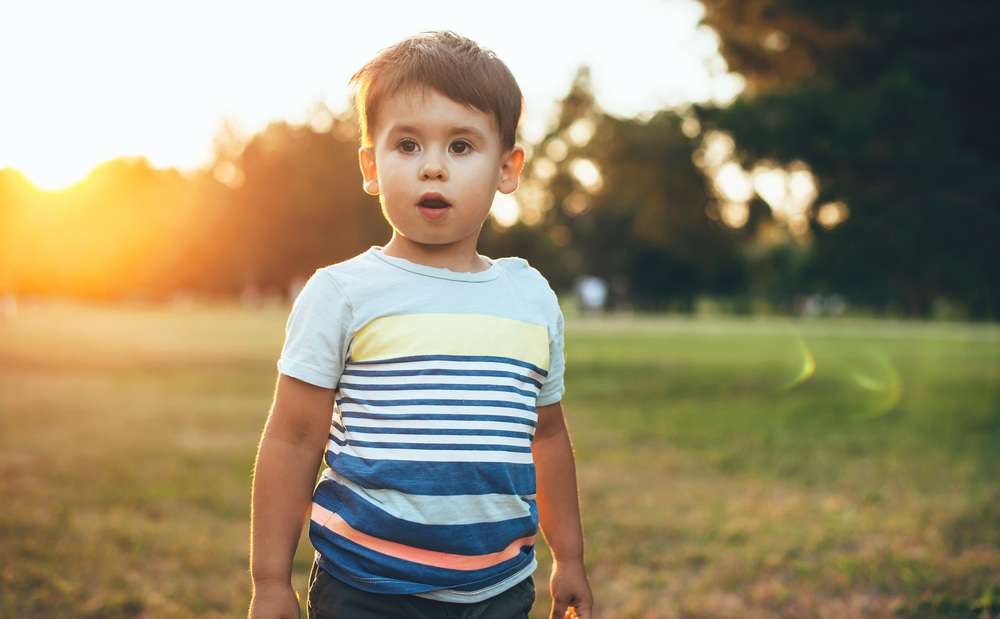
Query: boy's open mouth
[433, 200]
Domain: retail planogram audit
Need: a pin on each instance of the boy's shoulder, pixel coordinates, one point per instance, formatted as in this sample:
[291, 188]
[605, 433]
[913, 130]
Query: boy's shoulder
[531, 283]
[347, 265]
[520, 267]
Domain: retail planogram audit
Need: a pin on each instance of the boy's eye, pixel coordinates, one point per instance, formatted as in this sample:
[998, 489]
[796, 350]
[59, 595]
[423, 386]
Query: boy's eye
[408, 146]
[462, 147]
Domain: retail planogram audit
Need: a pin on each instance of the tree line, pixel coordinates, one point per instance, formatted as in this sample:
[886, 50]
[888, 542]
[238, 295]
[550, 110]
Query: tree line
[888, 109]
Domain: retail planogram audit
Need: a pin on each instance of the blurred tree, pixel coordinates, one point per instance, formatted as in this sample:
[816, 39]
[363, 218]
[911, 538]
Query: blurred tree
[623, 198]
[269, 209]
[300, 204]
[98, 239]
[893, 106]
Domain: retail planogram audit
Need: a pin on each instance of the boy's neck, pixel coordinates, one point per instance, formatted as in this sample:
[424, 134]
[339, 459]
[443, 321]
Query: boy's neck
[453, 257]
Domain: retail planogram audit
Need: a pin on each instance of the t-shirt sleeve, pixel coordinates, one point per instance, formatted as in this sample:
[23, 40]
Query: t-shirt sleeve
[552, 387]
[316, 333]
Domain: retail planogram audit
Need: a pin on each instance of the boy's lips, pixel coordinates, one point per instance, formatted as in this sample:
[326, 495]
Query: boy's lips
[433, 206]
[433, 199]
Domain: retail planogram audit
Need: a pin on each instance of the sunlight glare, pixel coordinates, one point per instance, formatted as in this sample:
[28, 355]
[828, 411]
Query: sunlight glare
[557, 150]
[576, 203]
[505, 210]
[718, 147]
[735, 214]
[690, 126]
[769, 183]
[832, 214]
[543, 169]
[587, 173]
[51, 166]
[533, 201]
[790, 192]
[227, 173]
[733, 182]
[125, 86]
[580, 132]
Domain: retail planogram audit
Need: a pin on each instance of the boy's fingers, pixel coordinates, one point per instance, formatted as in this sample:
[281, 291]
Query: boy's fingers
[582, 610]
[562, 611]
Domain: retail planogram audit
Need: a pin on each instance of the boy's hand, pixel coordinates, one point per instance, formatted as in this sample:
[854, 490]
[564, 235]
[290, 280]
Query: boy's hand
[274, 600]
[569, 588]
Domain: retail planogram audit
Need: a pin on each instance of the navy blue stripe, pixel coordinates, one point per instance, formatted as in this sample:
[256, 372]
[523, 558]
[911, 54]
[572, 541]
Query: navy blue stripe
[466, 539]
[435, 416]
[438, 402]
[435, 478]
[435, 431]
[432, 446]
[492, 358]
[374, 572]
[443, 372]
[438, 386]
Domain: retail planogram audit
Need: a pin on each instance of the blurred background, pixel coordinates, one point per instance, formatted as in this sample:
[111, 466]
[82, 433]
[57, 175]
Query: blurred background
[772, 225]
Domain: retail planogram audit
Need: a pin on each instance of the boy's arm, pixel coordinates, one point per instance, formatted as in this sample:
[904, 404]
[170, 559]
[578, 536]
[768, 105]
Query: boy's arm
[288, 459]
[559, 512]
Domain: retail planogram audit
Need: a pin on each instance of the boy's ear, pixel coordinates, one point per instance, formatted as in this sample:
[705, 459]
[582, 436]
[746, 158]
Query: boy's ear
[369, 173]
[510, 170]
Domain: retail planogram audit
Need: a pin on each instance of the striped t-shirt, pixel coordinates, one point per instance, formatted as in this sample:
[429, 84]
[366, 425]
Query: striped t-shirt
[430, 483]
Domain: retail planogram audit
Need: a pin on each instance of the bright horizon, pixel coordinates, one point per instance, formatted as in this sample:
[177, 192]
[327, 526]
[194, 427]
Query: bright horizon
[96, 81]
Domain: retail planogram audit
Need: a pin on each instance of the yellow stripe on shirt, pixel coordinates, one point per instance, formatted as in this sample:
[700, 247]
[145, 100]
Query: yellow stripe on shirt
[403, 335]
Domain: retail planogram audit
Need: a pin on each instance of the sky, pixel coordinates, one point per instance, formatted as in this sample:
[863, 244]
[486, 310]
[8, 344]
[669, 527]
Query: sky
[85, 82]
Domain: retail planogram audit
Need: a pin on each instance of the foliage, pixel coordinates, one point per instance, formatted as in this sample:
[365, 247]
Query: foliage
[643, 223]
[893, 107]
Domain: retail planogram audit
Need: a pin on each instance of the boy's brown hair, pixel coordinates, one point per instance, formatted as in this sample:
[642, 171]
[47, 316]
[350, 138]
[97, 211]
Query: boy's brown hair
[453, 65]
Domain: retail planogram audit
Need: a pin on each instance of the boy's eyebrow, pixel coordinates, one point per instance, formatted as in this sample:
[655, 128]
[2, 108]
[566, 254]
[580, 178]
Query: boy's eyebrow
[453, 131]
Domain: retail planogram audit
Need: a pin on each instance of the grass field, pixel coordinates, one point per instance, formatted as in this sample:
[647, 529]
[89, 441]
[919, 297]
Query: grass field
[728, 468]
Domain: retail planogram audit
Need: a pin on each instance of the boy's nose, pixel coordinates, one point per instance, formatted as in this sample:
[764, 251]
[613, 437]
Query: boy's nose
[433, 169]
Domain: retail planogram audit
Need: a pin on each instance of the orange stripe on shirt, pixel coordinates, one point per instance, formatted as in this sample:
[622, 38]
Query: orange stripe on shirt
[338, 525]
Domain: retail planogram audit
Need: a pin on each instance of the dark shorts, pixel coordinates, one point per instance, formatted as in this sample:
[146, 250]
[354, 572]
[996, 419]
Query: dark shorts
[329, 598]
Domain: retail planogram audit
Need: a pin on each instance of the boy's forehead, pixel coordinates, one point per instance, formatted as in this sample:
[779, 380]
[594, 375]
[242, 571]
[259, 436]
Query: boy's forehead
[429, 110]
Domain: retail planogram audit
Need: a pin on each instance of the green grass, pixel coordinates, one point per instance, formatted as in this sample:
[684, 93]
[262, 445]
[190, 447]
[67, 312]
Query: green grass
[714, 483]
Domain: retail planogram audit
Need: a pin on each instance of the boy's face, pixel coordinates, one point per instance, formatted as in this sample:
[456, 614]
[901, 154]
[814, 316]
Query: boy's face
[429, 151]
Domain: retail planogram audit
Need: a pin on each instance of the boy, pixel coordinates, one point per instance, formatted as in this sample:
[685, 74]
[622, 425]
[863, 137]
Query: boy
[442, 370]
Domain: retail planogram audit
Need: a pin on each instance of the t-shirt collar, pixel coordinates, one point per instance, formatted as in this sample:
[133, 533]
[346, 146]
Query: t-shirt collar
[439, 272]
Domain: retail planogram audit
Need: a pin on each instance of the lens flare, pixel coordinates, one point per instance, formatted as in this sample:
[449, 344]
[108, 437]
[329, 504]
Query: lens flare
[807, 367]
[882, 382]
